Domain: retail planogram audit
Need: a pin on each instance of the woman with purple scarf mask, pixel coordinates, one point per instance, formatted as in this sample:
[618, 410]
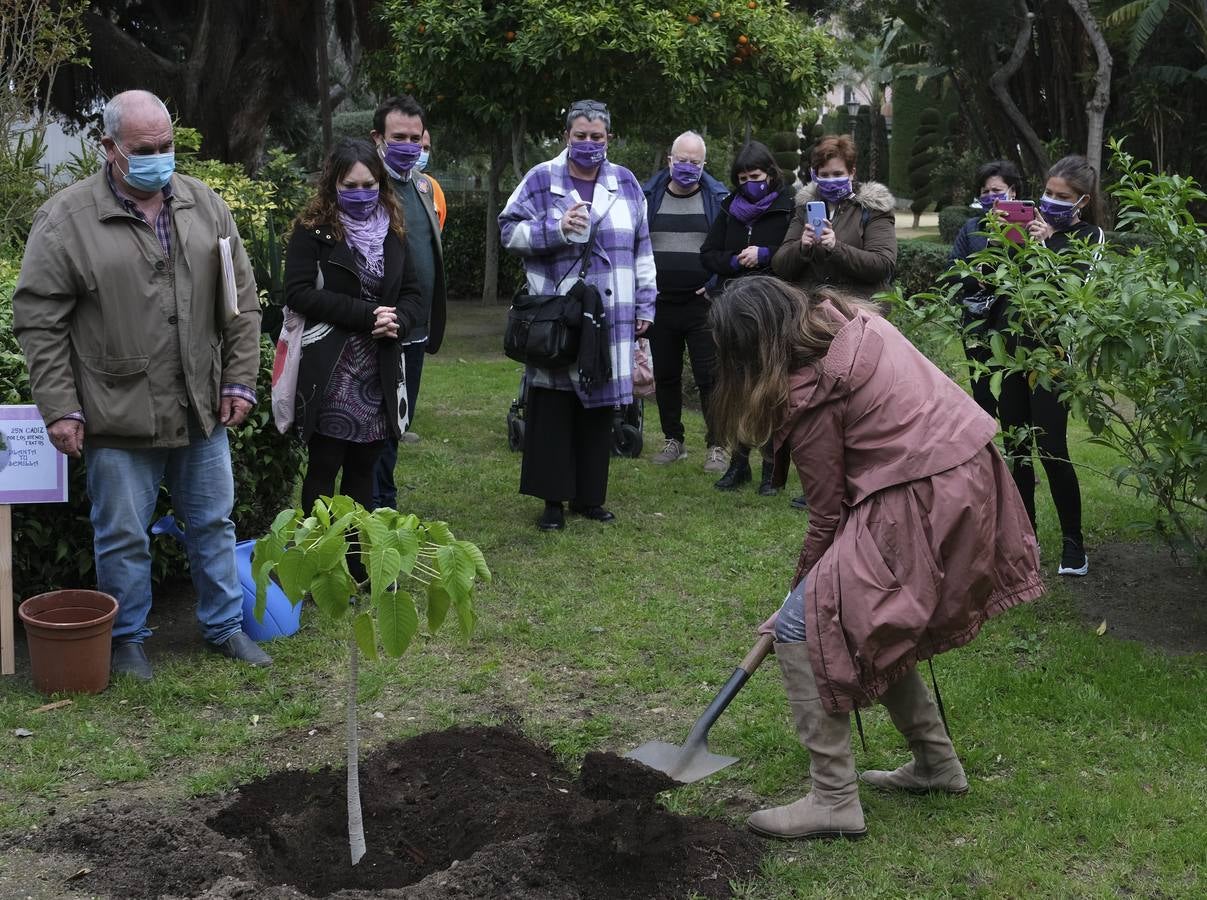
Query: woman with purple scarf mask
[348, 273]
[751, 226]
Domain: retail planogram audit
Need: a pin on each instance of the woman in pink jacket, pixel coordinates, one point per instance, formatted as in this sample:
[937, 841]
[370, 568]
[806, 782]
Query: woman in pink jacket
[916, 535]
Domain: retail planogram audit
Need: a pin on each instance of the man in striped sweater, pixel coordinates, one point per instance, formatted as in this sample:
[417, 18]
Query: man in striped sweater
[683, 200]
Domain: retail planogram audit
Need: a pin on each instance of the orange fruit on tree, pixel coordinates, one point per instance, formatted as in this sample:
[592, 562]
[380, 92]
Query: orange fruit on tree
[743, 40]
[422, 28]
[715, 15]
[510, 36]
[752, 5]
[694, 20]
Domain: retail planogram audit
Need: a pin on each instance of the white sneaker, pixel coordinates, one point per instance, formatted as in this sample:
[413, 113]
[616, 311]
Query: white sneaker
[717, 461]
[672, 452]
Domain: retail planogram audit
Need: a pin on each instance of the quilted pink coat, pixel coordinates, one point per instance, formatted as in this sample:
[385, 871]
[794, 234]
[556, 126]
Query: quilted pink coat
[917, 533]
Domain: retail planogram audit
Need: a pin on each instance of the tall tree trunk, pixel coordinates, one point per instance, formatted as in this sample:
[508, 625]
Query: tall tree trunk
[519, 132]
[498, 162]
[320, 44]
[1095, 108]
[356, 825]
[999, 81]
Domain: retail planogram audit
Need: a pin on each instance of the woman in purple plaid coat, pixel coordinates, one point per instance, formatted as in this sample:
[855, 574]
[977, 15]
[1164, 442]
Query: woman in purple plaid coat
[568, 425]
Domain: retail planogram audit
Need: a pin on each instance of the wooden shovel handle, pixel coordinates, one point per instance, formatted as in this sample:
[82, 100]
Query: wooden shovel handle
[757, 654]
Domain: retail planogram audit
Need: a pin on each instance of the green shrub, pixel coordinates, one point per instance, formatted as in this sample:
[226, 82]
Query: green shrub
[919, 264]
[464, 238]
[952, 219]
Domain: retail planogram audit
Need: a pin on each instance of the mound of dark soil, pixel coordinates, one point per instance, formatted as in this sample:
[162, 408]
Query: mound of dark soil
[469, 812]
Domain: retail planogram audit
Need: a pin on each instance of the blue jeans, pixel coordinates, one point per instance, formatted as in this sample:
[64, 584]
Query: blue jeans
[790, 623]
[123, 486]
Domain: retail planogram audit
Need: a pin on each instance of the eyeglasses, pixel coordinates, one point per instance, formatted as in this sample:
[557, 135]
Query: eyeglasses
[588, 106]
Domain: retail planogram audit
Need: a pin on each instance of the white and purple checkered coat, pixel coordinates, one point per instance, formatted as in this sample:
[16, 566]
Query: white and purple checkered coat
[621, 267]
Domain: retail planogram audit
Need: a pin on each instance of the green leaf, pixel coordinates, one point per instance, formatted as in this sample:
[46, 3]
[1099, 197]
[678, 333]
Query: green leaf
[438, 602]
[332, 592]
[296, 570]
[384, 563]
[397, 621]
[438, 532]
[475, 555]
[372, 531]
[322, 512]
[330, 551]
[466, 617]
[405, 539]
[362, 628]
[995, 383]
[284, 520]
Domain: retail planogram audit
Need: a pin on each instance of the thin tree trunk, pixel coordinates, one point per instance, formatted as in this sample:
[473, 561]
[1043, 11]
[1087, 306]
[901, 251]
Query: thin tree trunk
[320, 42]
[498, 162]
[519, 131]
[356, 825]
[1096, 107]
[999, 81]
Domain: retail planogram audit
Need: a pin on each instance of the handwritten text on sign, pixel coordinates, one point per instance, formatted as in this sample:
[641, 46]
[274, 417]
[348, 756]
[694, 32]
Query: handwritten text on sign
[31, 469]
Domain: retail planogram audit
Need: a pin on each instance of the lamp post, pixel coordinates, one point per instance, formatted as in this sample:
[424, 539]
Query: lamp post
[853, 112]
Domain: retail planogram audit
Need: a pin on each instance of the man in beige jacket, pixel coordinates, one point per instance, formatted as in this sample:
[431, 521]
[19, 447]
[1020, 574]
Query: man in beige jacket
[138, 360]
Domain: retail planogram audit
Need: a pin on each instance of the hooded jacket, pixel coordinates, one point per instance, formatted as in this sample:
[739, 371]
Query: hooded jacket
[864, 256]
[917, 533]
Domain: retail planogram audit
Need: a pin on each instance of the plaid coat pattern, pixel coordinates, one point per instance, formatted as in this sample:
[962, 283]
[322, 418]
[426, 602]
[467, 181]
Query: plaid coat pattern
[621, 265]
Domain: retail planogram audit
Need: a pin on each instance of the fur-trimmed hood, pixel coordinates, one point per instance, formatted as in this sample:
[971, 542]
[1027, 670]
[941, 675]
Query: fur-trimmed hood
[871, 195]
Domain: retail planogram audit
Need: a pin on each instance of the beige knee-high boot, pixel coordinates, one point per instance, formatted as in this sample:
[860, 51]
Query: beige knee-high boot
[935, 766]
[831, 808]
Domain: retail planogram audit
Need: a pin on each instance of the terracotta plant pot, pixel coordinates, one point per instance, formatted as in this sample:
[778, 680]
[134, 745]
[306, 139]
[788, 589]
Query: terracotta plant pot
[69, 634]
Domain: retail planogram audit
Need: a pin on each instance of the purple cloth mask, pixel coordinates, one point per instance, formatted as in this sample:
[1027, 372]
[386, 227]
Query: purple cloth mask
[754, 191]
[358, 203]
[1058, 213]
[833, 189]
[987, 200]
[686, 174]
[588, 154]
[401, 156]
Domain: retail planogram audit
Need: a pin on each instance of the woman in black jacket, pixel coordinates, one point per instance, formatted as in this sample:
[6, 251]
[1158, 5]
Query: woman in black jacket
[741, 241]
[348, 273]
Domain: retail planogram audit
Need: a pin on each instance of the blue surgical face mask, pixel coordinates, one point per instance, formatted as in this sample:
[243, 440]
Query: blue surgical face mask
[424, 156]
[149, 172]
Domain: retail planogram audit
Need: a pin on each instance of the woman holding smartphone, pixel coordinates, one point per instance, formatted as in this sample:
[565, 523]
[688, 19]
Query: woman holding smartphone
[998, 180]
[741, 242]
[1068, 211]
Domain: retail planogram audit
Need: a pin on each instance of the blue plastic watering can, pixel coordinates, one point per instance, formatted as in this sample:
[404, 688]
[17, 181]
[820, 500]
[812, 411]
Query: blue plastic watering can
[281, 618]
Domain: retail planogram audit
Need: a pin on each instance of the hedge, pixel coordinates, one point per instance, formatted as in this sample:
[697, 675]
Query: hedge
[464, 240]
[952, 219]
[920, 263]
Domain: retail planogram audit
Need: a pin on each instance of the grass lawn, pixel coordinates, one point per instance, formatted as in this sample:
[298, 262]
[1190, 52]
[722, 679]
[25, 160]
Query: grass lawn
[1086, 755]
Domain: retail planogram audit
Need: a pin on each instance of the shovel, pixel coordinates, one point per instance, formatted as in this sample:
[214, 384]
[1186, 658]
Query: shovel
[692, 760]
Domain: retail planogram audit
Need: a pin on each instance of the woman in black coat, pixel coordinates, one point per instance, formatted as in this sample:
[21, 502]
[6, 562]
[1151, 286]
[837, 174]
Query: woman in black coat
[348, 273]
[753, 221]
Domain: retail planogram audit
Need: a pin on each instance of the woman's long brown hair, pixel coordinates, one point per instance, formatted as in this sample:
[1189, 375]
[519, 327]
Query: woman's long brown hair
[323, 208]
[766, 329]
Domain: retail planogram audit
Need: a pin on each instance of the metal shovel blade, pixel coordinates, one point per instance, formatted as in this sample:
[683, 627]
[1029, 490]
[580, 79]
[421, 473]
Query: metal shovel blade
[692, 760]
[683, 763]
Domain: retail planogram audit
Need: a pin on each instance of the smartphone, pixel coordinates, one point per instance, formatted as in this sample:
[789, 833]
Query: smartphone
[815, 215]
[580, 237]
[1019, 213]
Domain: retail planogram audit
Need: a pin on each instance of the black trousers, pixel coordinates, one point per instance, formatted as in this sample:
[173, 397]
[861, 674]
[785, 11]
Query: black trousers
[385, 493]
[980, 385]
[1020, 405]
[682, 324]
[328, 456]
[567, 448]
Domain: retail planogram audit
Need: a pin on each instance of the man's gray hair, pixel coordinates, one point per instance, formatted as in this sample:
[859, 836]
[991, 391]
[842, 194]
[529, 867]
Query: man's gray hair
[115, 109]
[591, 110]
[689, 135]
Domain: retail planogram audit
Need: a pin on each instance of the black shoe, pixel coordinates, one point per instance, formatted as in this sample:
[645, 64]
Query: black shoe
[129, 658]
[594, 513]
[241, 647]
[801, 502]
[552, 519]
[735, 476]
[766, 488]
[1073, 559]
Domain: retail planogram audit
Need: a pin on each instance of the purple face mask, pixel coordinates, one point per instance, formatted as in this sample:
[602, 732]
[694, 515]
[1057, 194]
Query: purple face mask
[754, 191]
[588, 154]
[987, 200]
[1058, 213]
[685, 173]
[402, 156]
[833, 189]
[358, 203]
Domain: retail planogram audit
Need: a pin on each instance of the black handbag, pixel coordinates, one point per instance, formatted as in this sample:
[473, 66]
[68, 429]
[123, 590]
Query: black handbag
[543, 329]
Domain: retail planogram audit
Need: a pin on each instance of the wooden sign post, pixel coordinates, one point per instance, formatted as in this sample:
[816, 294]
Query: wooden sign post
[31, 471]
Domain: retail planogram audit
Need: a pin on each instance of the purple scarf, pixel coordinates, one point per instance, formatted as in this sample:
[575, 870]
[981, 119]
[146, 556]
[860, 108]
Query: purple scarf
[368, 236]
[745, 211]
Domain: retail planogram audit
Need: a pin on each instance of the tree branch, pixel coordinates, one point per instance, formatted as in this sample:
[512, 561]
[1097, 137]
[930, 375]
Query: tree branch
[1096, 106]
[998, 83]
